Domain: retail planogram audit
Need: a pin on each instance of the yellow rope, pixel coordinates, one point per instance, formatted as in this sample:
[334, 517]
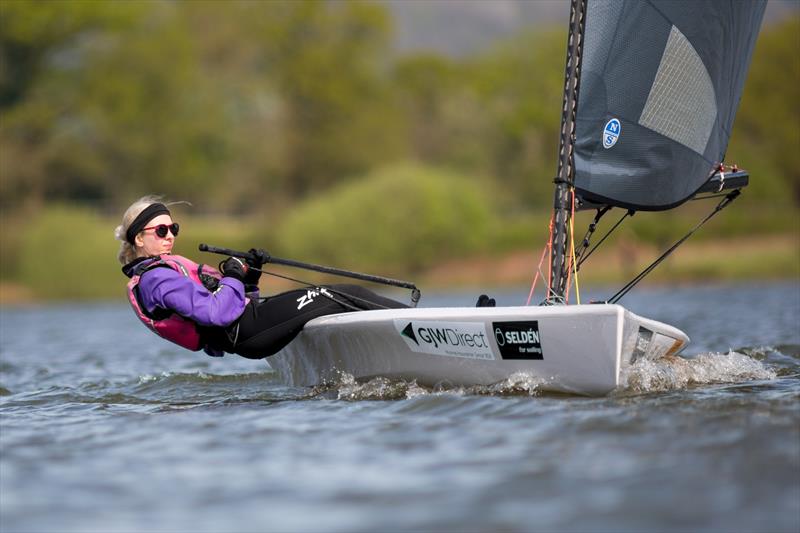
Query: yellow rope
[574, 261]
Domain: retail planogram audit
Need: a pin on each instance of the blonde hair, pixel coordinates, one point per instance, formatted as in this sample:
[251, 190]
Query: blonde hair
[127, 252]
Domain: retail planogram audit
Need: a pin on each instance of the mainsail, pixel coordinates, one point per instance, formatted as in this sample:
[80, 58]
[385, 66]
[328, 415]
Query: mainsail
[660, 82]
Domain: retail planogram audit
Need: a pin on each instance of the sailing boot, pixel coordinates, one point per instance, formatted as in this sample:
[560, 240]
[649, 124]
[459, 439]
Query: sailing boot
[485, 301]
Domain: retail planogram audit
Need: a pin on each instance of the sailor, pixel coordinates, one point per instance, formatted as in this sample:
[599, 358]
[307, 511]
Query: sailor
[202, 308]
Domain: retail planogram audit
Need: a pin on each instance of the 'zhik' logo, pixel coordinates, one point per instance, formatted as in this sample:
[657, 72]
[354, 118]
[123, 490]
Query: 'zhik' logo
[308, 297]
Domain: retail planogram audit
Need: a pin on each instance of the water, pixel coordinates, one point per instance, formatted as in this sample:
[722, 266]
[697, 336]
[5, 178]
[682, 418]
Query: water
[106, 428]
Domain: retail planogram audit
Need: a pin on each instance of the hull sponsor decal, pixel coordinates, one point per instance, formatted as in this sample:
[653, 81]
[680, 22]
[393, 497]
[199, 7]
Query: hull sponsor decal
[518, 340]
[454, 339]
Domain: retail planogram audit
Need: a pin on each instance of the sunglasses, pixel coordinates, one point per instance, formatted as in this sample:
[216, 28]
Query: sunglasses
[162, 229]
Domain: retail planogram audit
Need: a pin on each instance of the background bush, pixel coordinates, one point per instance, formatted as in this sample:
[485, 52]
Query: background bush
[400, 219]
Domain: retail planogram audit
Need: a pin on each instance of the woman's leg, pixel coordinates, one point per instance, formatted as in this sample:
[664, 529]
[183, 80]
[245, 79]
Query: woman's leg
[268, 326]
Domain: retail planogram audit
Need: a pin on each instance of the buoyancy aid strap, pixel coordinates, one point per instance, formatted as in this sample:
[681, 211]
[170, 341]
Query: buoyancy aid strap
[208, 279]
[145, 266]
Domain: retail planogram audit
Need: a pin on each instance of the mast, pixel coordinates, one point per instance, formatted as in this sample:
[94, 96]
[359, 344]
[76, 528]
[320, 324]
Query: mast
[566, 171]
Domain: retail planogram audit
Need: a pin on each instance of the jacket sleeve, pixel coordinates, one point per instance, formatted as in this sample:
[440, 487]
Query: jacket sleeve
[168, 289]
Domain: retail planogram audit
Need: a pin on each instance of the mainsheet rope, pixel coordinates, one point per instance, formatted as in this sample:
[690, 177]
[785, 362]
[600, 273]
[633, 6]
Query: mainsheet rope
[327, 289]
[730, 197]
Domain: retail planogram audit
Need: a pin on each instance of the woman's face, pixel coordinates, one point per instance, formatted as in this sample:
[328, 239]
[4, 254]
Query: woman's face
[149, 244]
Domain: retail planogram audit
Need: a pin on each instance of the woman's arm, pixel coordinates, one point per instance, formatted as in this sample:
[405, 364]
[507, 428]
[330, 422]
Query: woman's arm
[171, 290]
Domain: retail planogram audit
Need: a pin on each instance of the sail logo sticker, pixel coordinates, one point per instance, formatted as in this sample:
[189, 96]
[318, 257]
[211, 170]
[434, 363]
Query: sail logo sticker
[454, 339]
[518, 340]
[611, 133]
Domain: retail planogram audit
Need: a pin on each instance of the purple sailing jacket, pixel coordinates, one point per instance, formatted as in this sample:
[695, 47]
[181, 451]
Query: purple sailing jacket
[169, 289]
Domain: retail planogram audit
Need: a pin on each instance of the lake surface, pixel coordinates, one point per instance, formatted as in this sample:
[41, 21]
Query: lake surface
[104, 427]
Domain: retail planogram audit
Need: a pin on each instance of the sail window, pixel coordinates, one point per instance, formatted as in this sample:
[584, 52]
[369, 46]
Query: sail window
[682, 104]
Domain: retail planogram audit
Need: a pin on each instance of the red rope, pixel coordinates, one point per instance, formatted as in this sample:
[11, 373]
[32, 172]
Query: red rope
[548, 246]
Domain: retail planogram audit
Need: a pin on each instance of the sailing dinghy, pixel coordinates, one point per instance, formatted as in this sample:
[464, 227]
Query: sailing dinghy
[651, 91]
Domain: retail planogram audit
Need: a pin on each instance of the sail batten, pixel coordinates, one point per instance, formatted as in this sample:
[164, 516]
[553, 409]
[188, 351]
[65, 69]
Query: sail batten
[660, 84]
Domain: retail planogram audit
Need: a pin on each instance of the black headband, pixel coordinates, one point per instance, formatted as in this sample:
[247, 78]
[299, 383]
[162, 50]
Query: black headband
[140, 222]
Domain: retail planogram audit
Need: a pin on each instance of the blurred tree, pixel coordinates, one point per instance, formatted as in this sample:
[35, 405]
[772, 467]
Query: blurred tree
[115, 107]
[434, 214]
[424, 83]
[38, 39]
[766, 134]
[328, 62]
[239, 104]
[32, 33]
[228, 38]
[520, 84]
[496, 114]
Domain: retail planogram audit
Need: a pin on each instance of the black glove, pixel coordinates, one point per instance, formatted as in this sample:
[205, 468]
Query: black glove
[233, 267]
[259, 257]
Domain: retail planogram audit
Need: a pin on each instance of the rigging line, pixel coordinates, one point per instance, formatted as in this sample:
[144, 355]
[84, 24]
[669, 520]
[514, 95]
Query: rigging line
[340, 293]
[574, 262]
[583, 258]
[720, 195]
[569, 242]
[549, 288]
[730, 197]
[592, 227]
[538, 273]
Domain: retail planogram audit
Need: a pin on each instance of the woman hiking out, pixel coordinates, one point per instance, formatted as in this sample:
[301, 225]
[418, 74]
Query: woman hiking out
[202, 308]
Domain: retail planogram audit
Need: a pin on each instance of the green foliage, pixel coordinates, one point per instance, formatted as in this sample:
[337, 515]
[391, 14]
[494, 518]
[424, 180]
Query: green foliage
[766, 135]
[244, 104]
[32, 32]
[399, 219]
[324, 58]
[69, 253]
[262, 111]
[497, 114]
[112, 111]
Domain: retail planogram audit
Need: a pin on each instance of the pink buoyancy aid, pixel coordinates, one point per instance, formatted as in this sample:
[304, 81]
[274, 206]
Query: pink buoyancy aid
[173, 327]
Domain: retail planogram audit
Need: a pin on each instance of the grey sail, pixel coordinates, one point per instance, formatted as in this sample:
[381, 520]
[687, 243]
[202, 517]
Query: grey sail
[660, 83]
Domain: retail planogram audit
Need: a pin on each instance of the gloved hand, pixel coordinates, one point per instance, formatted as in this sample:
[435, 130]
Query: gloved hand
[260, 257]
[233, 267]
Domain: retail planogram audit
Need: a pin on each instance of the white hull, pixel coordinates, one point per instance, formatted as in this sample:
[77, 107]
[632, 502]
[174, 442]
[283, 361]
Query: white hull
[579, 349]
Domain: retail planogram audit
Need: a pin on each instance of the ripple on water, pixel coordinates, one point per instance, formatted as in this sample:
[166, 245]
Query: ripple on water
[645, 376]
[347, 387]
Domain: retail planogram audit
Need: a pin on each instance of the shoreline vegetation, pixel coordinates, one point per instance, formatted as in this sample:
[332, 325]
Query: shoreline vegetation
[440, 229]
[748, 258]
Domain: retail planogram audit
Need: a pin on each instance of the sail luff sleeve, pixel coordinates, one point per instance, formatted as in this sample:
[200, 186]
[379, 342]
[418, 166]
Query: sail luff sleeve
[564, 180]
